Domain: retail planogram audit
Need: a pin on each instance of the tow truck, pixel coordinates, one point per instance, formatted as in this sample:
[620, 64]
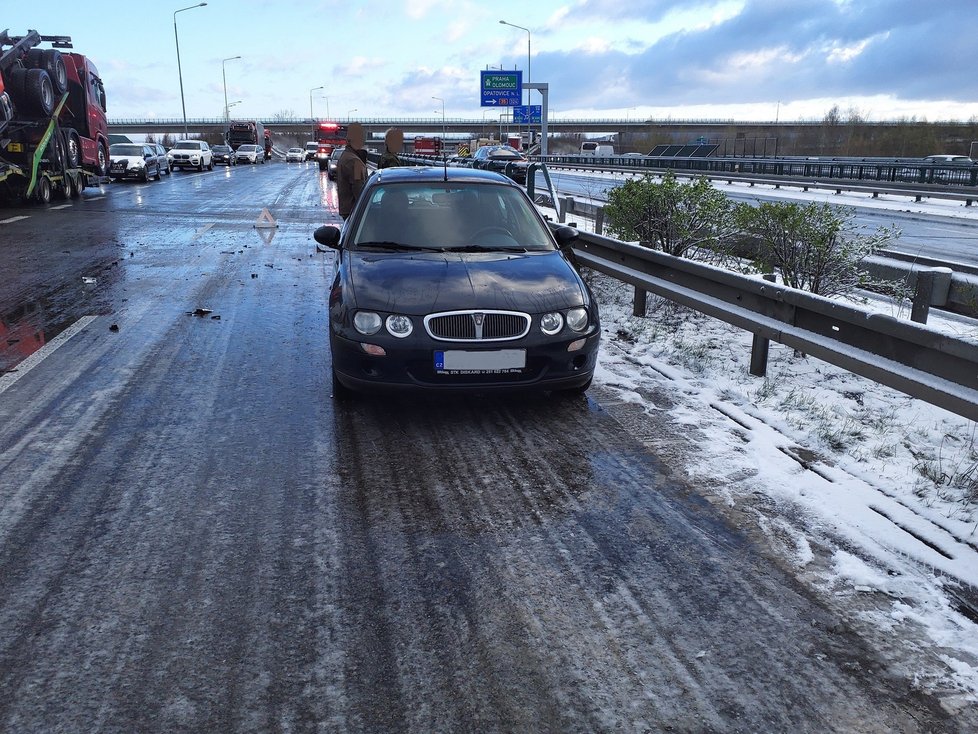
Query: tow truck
[53, 128]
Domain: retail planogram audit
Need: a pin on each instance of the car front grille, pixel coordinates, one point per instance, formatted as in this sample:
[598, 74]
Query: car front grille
[477, 326]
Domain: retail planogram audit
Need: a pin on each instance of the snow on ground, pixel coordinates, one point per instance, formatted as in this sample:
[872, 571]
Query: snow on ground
[869, 495]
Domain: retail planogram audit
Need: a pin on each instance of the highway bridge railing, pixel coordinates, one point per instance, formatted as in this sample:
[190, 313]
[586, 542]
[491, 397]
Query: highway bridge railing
[913, 358]
[925, 179]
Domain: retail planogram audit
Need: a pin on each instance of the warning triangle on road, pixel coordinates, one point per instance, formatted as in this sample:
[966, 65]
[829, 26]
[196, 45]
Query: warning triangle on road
[267, 234]
[265, 219]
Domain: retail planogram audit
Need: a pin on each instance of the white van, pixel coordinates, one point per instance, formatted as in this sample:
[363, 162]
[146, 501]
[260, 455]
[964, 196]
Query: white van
[601, 150]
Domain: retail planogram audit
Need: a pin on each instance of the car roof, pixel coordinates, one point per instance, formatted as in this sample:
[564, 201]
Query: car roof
[429, 174]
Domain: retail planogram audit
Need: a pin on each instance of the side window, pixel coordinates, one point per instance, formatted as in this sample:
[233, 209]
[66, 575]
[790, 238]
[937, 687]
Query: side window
[97, 91]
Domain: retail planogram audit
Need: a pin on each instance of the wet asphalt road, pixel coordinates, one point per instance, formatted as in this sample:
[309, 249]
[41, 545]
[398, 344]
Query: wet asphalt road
[195, 538]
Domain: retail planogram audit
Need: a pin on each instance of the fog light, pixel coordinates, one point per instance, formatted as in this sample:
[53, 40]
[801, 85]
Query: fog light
[374, 350]
[576, 345]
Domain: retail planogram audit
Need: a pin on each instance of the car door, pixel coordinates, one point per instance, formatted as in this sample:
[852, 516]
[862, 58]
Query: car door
[161, 157]
[149, 158]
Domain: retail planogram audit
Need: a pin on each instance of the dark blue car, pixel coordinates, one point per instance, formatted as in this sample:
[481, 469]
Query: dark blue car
[450, 279]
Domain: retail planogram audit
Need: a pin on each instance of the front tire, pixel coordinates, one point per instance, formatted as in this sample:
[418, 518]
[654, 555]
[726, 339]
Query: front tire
[103, 159]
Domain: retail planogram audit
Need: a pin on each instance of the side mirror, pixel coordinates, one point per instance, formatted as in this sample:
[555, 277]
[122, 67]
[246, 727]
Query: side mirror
[565, 235]
[327, 235]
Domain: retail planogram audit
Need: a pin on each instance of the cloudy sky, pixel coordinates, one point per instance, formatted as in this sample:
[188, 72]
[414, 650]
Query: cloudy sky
[679, 59]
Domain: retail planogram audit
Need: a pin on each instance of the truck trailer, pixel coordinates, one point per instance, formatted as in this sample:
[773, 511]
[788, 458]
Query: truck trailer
[53, 127]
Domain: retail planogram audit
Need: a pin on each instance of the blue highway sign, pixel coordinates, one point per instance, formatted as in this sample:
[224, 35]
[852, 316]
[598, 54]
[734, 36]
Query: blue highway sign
[527, 113]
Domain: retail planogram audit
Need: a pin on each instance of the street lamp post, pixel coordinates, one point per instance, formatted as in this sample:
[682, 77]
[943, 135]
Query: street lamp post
[513, 25]
[224, 77]
[439, 99]
[176, 38]
[312, 117]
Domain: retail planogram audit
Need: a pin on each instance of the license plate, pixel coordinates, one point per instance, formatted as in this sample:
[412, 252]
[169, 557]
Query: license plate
[464, 362]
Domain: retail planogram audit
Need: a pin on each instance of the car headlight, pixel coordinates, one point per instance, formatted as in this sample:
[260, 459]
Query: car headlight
[551, 323]
[367, 322]
[577, 319]
[399, 326]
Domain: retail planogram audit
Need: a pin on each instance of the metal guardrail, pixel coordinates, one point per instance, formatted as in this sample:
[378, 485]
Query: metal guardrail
[915, 359]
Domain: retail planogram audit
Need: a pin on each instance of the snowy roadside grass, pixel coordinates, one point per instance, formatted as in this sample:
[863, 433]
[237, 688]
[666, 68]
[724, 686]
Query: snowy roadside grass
[839, 462]
[922, 451]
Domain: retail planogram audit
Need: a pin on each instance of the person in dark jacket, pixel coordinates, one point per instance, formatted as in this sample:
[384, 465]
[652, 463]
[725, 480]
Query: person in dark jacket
[393, 146]
[351, 171]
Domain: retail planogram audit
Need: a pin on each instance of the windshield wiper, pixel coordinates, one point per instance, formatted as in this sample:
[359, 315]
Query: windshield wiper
[485, 248]
[393, 247]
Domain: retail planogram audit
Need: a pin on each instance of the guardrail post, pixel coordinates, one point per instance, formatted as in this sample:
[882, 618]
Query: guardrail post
[760, 347]
[599, 221]
[639, 302]
[640, 298]
[933, 285]
[566, 205]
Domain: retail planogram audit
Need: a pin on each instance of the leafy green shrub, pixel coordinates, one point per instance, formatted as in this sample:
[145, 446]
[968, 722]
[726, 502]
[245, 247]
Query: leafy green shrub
[676, 218]
[815, 247]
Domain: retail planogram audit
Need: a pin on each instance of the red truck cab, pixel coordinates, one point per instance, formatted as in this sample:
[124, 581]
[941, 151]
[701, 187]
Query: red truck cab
[85, 114]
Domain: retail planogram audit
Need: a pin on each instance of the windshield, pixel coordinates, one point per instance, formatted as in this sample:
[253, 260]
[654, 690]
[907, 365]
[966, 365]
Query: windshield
[505, 153]
[220, 149]
[450, 216]
[247, 148]
[187, 145]
[125, 149]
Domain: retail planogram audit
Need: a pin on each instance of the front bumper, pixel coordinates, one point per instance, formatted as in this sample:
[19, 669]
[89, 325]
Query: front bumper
[549, 366]
[127, 172]
[194, 161]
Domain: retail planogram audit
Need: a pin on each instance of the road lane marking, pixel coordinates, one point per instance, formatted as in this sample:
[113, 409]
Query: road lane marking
[201, 232]
[61, 206]
[13, 219]
[33, 360]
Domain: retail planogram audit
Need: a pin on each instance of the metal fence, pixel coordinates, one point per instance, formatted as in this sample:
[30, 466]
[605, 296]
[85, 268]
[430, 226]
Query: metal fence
[907, 356]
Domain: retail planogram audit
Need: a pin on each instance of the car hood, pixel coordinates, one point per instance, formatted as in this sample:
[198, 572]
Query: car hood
[127, 159]
[423, 283]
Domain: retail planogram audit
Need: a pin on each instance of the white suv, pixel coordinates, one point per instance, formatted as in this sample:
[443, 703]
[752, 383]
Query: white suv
[192, 154]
